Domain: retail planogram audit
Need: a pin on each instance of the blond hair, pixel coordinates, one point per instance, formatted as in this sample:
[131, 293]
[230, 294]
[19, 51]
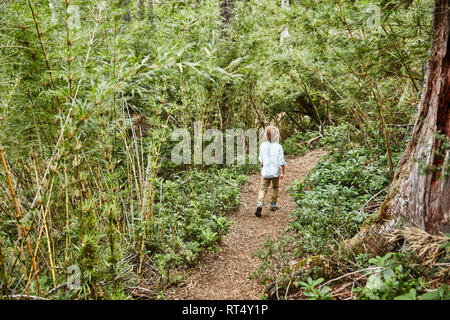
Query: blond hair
[272, 134]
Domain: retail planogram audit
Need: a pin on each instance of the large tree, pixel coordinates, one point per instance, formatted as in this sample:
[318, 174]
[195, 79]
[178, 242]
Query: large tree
[420, 192]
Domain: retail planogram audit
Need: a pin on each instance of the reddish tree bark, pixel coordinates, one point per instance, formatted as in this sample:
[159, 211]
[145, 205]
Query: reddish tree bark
[420, 192]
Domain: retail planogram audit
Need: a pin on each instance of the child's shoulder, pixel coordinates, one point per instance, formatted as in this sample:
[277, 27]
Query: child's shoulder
[280, 147]
[265, 143]
[277, 145]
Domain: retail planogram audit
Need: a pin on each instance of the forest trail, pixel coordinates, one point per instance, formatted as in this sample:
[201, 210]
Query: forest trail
[224, 275]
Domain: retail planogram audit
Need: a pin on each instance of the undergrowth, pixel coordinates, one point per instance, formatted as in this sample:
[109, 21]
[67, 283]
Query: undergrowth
[334, 199]
[192, 218]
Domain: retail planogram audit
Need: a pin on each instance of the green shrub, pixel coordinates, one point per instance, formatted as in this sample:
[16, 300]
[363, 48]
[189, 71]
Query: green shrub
[191, 217]
[331, 196]
[399, 278]
[329, 202]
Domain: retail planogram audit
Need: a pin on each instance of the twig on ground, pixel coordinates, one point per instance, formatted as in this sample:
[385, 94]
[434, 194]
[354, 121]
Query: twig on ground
[351, 273]
[373, 197]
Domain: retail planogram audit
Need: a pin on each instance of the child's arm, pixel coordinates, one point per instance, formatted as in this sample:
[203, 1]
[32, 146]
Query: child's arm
[260, 157]
[282, 163]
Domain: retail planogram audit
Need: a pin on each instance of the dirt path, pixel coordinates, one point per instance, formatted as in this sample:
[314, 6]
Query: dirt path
[224, 275]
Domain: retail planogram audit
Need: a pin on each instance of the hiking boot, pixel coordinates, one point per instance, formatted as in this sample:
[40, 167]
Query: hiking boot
[258, 211]
[273, 206]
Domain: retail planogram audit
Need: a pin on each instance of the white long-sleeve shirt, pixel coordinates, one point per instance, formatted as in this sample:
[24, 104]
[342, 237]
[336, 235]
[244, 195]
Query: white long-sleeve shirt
[271, 156]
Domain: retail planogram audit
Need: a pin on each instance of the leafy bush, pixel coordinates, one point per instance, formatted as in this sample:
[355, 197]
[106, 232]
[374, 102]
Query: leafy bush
[85, 111]
[189, 215]
[393, 280]
[330, 202]
[399, 278]
[333, 137]
[331, 196]
[311, 291]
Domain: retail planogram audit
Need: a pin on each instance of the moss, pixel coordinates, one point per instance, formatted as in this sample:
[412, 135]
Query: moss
[383, 211]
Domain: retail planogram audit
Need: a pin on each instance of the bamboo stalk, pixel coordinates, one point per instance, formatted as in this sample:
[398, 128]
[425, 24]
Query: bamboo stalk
[41, 230]
[416, 87]
[69, 52]
[49, 238]
[67, 226]
[19, 217]
[136, 150]
[44, 53]
[154, 160]
[133, 166]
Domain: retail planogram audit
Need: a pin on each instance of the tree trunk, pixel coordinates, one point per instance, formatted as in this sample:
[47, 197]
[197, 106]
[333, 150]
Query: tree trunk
[420, 192]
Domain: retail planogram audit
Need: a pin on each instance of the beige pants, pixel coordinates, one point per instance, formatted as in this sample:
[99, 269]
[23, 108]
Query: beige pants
[264, 185]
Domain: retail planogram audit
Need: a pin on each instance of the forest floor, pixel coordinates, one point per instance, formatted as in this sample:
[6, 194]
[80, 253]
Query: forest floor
[223, 275]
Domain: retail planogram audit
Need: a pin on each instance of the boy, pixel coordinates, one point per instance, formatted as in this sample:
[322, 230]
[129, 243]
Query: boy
[271, 156]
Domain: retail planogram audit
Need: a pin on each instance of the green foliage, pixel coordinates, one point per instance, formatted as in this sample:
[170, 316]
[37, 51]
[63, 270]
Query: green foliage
[441, 293]
[311, 291]
[275, 260]
[86, 111]
[190, 217]
[333, 137]
[401, 276]
[330, 206]
[397, 279]
[319, 75]
[85, 114]
[331, 196]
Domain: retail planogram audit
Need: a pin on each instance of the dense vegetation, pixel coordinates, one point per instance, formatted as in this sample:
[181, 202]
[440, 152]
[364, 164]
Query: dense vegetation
[334, 200]
[90, 92]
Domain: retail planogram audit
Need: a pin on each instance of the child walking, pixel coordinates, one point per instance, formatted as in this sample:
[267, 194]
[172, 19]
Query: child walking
[271, 157]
